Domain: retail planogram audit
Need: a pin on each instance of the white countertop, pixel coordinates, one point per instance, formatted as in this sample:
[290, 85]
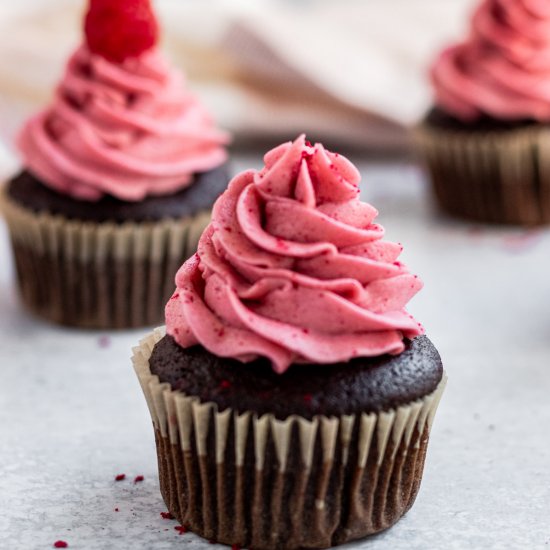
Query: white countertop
[72, 415]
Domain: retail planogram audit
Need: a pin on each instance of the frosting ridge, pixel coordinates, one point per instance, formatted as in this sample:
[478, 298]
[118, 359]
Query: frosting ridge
[503, 69]
[127, 129]
[293, 268]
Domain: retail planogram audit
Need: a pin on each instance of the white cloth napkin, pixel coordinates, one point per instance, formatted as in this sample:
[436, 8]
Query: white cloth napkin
[350, 72]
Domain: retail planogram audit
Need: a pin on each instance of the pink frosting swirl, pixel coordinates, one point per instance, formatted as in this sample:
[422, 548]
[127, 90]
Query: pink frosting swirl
[293, 268]
[503, 69]
[127, 130]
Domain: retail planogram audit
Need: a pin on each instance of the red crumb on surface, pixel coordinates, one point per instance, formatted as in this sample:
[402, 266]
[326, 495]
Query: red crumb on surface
[475, 231]
[308, 397]
[523, 241]
[166, 515]
[116, 509]
[120, 477]
[60, 544]
[225, 384]
[181, 529]
[138, 479]
[104, 341]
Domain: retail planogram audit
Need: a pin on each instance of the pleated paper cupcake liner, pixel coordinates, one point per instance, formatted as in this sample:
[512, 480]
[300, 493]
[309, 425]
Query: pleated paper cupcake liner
[500, 176]
[98, 275]
[264, 483]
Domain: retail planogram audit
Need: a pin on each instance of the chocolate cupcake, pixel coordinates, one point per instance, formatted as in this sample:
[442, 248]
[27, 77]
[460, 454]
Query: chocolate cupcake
[120, 175]
[485, 141]
[291, 393]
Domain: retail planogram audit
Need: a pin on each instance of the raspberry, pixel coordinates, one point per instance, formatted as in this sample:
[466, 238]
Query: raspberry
[119, 29]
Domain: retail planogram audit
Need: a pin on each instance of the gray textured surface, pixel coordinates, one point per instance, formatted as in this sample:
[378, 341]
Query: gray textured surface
[72, 415]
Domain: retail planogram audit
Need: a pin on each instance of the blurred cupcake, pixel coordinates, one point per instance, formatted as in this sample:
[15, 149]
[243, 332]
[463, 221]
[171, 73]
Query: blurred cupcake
[120, 174]
[486, 141]
[292, 396]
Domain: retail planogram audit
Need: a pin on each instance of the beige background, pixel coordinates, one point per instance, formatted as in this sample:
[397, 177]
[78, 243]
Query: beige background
[350, 71]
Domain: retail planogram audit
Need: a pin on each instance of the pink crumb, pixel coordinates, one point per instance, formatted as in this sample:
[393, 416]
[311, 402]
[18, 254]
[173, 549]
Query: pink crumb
[281, 243]
[523, 241]
[475, 231]
[104, 342]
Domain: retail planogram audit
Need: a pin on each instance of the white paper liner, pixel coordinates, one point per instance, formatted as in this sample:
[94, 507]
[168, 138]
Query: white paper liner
[98, 275]
[492, 176]
[184, 423]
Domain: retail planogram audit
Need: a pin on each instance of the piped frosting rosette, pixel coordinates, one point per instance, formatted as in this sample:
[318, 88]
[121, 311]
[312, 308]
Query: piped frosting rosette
[127, 129]
[503, 69]
[293, 268]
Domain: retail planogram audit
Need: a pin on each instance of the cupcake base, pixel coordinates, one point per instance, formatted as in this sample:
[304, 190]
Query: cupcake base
[94, 294]
[94, 272]
[237, 477]
[30, 193]
[492, 172]
[320, 506]
[366, 384]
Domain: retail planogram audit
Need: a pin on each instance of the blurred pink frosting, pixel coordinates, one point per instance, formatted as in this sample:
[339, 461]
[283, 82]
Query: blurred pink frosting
[128, 130]
[293, 268]
[503, 69]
